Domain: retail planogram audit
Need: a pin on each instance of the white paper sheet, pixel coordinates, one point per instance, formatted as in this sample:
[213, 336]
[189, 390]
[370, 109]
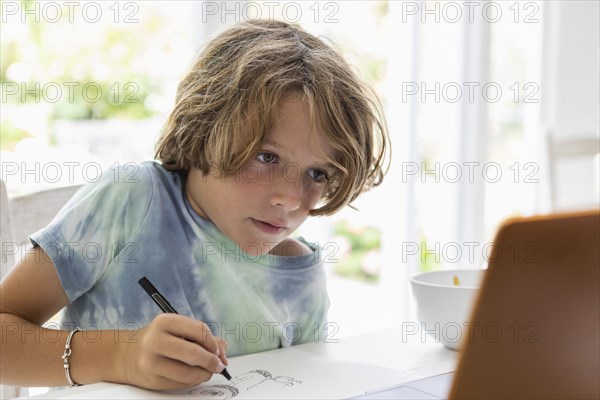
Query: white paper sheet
[286, 374]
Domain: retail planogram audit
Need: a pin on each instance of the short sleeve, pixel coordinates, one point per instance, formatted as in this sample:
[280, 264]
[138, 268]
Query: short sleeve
[98, 223]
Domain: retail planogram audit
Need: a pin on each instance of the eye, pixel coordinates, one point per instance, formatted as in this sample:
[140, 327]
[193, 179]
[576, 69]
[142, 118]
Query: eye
[318, 175]
[266, 157]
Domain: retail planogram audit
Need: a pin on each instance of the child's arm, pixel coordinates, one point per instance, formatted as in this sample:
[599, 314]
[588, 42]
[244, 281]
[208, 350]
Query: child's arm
[156, 356]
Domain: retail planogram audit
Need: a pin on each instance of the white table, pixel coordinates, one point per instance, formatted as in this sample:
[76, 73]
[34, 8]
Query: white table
[392, 359]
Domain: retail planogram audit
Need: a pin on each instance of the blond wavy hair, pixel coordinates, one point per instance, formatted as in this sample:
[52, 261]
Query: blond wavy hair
[227, 103]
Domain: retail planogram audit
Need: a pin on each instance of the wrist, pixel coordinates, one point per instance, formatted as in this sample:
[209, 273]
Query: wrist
[67, 354]
[122, 356]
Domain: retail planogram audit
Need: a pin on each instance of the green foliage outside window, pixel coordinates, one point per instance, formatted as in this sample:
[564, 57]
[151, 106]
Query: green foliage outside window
[428, 260]
[360, 260]
[89, 72]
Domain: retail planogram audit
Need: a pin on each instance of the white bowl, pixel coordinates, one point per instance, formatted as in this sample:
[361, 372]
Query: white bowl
[444, 301]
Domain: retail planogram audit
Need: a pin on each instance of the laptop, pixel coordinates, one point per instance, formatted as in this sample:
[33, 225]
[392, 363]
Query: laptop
[538, 314]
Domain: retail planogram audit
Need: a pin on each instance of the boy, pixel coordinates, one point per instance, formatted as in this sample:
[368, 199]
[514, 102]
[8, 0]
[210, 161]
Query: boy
[270, 126]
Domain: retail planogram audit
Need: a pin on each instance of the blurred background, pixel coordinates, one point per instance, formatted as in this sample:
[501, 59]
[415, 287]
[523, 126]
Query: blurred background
[493, 111]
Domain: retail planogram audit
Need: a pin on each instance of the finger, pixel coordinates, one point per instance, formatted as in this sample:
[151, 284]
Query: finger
[190, 329]
[179, 373]
[222, 350]
[190, 353]
[151, 374]
[161, 383]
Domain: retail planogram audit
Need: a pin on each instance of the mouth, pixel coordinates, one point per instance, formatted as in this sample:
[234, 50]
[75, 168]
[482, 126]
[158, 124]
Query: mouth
[271, 228]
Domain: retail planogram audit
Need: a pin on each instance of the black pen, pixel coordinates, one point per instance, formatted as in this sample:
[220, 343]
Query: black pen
[164, 305]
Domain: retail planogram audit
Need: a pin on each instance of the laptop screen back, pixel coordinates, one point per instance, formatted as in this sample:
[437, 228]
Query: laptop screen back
[535, 329]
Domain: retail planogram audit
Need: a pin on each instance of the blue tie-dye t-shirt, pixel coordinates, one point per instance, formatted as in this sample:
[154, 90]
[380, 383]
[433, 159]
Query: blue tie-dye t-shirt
[136, 221]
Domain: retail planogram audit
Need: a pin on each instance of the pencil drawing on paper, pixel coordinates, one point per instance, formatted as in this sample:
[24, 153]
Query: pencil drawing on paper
[244, 382]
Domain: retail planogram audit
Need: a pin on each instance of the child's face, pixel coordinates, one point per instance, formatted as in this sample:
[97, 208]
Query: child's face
[270, 196]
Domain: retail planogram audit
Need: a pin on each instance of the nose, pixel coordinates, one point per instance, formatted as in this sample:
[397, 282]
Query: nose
[287, 193]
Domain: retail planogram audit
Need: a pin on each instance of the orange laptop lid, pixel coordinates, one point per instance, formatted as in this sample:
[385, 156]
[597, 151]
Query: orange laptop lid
[535, 329]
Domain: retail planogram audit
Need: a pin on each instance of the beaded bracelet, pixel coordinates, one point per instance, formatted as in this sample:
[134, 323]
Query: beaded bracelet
[66, 355]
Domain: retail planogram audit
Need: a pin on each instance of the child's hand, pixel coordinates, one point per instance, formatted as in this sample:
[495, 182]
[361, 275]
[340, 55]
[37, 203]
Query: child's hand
[172, 351]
